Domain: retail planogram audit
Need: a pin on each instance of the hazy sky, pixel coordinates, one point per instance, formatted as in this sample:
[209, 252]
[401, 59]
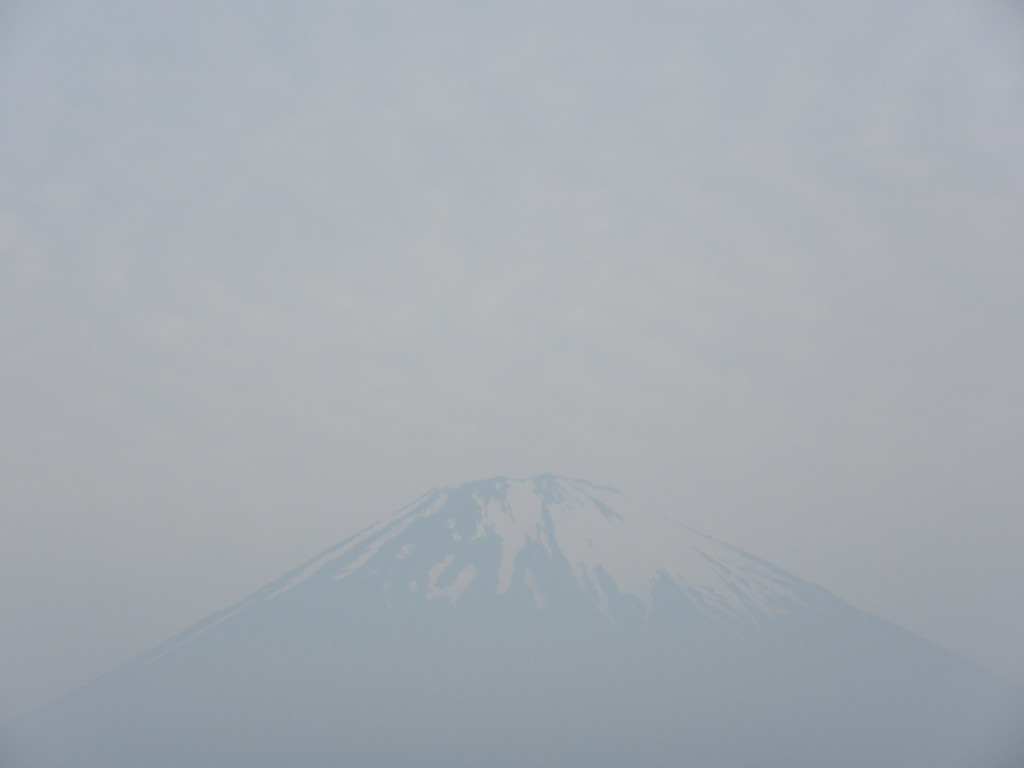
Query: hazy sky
[269, 271]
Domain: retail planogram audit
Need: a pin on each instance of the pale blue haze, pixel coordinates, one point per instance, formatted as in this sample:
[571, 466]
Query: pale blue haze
[268, 271]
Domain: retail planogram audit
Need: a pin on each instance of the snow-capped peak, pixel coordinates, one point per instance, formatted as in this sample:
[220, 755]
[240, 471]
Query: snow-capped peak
[493, 534]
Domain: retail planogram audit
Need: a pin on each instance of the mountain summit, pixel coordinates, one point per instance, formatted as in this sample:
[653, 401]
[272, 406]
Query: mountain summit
[534, 622]
[548, 539]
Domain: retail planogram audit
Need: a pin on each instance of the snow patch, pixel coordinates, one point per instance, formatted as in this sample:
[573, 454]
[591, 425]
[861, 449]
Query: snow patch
[458, 585]
[514, 520]
[538, 596]
[599, 530]
[436, 570]
[373, 538]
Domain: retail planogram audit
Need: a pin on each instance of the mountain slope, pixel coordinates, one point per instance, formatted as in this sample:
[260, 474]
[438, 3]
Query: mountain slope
[534, 622]
[502, 537]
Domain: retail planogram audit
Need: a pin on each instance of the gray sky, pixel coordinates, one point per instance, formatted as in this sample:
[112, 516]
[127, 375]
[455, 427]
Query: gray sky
[269, 272]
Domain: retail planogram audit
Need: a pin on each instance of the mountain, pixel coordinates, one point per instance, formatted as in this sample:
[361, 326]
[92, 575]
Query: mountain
[536, 622]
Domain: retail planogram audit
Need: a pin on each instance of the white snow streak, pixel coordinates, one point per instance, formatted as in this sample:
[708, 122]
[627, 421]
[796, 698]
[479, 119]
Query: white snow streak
[458, 585]
[612, 547]
[599, 530]
[378, 535]
[515, 520]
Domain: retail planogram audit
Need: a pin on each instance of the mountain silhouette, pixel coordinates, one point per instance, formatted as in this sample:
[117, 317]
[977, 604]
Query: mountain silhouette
[533, 622]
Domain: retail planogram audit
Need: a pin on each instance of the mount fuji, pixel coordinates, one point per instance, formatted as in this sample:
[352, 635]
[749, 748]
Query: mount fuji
[534, 622]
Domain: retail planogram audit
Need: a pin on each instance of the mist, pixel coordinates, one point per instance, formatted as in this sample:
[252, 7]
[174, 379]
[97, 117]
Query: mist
[267, 274]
